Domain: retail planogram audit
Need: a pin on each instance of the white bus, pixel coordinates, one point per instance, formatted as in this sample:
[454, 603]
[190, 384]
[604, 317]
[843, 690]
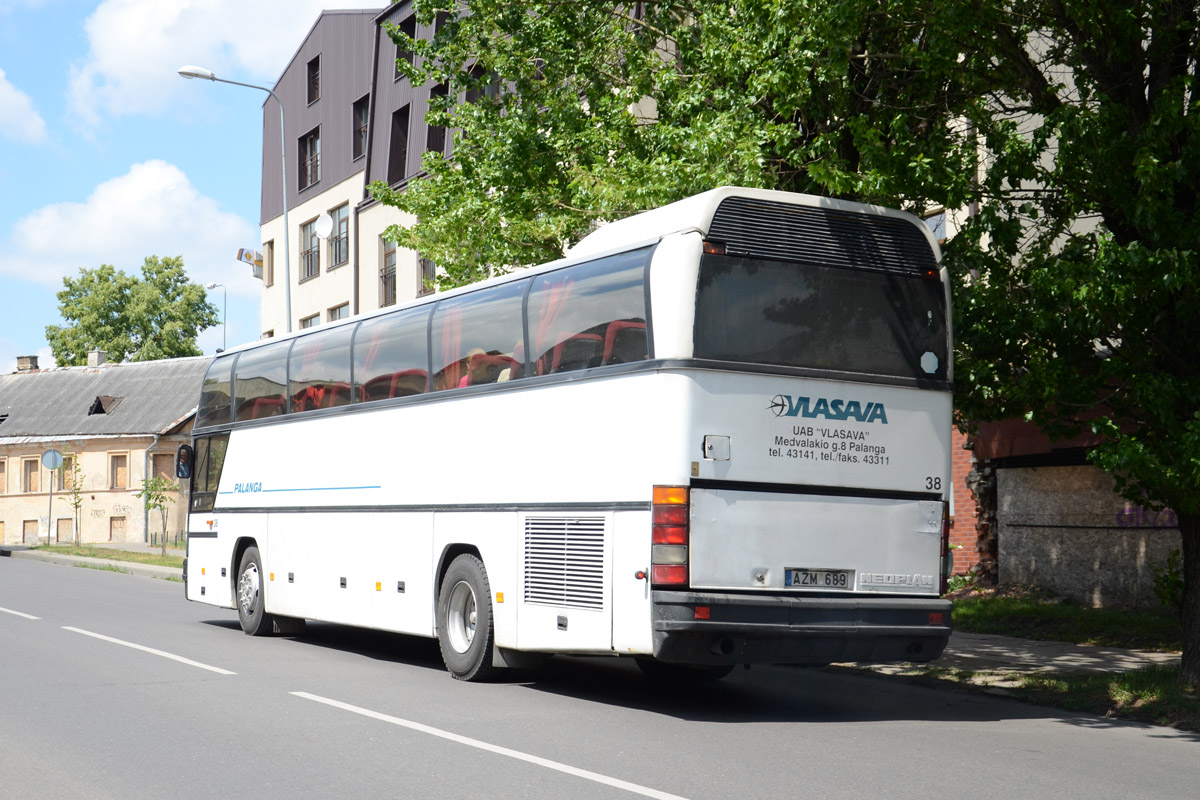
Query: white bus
[716, 433]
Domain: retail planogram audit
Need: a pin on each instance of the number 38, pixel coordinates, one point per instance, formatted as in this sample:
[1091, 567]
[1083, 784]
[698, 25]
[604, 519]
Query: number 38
[932, 482]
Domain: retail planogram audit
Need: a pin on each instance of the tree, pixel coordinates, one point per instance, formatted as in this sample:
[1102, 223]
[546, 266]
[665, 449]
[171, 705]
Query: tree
[588, 111]
[1066, 126]
[73, 483]
[1077, 302]
[157, 493]
[155, 316]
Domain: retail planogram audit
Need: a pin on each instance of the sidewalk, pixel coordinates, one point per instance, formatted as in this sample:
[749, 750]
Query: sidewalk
[977, 652]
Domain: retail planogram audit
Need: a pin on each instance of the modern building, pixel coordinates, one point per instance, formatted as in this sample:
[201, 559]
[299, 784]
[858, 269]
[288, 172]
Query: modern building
[350, 118]
[114, 425]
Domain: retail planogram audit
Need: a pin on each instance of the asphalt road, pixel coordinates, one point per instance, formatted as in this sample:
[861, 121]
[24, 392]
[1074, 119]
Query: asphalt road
[114, 686]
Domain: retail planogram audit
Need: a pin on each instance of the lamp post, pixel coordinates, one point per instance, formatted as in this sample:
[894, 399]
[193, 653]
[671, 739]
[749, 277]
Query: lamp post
[224, 314]
[191, 71]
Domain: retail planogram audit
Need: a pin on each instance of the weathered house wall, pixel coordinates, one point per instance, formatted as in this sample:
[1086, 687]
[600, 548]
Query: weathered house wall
[1064, 528]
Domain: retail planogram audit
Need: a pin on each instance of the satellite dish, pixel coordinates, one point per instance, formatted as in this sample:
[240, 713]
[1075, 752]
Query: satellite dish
[324, 226]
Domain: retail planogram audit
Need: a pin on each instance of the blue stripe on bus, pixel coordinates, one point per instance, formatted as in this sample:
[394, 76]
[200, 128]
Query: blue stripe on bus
[311, 489]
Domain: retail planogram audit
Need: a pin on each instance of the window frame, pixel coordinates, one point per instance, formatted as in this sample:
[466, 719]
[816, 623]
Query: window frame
[27, 485]
[344, 307]
[112, 472]
[340, 234]
[312, 82]
[269, 263]
[360, 122]
[310, 256]
[309, 322]
[387, 270]
[310, 159]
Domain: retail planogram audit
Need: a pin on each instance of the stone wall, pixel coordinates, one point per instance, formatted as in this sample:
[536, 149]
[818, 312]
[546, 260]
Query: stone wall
[1065, 529]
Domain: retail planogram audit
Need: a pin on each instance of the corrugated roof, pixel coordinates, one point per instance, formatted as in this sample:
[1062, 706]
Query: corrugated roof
[155, 397]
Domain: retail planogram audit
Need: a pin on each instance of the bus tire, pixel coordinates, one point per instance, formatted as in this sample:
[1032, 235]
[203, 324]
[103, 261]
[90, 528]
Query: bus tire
[667, 673]
[464, 620]
[249, 593]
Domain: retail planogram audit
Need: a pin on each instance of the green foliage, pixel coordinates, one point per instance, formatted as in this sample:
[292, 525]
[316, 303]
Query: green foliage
[157, 493]
[586, 113]
[73, 484]
[1168, 582]
[155, 316]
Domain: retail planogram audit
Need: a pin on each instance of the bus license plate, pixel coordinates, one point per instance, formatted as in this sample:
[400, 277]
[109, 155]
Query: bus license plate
[820, 578]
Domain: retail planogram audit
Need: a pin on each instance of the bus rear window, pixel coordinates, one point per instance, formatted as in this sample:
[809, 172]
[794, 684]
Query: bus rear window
[826, 318]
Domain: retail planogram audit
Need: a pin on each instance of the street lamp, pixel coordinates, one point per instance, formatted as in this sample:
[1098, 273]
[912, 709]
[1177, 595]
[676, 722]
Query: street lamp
[224, 314]
[191, 71]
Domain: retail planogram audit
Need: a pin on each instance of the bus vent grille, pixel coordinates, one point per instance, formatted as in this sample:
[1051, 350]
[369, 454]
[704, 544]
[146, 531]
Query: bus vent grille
[820, 236]
[564, 561]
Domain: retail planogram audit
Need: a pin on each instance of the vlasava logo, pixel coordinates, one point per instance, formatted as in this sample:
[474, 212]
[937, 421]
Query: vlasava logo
[837, 409]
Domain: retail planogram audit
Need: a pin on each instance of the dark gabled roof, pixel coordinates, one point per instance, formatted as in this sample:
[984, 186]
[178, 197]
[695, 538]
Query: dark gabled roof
[147, 397]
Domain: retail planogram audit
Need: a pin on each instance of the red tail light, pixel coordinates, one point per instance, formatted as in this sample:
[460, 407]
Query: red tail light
[669, 536]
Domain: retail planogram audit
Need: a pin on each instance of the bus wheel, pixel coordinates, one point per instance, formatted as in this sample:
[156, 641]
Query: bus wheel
[464, 620]
[665, 672]
[251, 609]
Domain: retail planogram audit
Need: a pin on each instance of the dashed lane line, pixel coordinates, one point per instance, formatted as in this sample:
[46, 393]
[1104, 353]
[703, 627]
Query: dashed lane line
[596, 777]
[150, 650]
[18, 613]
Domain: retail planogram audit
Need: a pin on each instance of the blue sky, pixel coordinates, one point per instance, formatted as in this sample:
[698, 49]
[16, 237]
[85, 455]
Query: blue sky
[108, 156]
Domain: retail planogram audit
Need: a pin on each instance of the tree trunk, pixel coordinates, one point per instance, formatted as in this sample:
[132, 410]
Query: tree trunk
[1189, 529]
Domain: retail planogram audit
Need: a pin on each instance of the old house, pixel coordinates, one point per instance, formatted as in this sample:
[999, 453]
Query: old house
[114, 424]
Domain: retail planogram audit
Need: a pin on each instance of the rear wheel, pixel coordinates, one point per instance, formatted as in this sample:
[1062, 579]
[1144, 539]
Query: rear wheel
[251, 607]
[464, 620]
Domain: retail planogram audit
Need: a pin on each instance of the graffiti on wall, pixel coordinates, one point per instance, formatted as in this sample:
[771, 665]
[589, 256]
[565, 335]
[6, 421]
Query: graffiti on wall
[1138, 517]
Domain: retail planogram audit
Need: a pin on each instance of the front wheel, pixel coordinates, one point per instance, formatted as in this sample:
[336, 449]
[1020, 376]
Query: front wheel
[464, 620]
[251, 607]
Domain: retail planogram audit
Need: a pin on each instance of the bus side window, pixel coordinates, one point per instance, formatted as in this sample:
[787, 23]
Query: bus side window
[470, 332]
[319, 370]
[590, 315]
[260, 382]
[390, 355]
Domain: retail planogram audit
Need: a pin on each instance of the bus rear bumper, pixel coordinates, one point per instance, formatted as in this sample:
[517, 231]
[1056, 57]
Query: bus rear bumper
[810, 631]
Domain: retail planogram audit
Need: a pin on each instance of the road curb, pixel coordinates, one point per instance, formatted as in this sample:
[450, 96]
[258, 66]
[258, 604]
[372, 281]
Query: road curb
[107, 564]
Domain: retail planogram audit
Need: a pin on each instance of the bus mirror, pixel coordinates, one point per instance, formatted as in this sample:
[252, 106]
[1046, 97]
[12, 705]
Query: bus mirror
[183, 461]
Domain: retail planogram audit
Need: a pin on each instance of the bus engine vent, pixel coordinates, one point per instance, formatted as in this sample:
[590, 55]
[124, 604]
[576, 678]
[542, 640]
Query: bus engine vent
[564, 561]
[824, 236]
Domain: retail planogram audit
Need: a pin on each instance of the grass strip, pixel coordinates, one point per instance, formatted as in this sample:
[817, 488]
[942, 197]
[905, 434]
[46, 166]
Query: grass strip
[1031, 614]
[112, 554]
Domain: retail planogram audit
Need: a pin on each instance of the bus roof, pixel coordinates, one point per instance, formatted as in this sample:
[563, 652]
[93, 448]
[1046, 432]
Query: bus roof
[696, 214]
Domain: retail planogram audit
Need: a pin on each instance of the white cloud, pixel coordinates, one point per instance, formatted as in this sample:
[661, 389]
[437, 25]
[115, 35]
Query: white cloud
[19, 120]
[151, 210]
[136, 46]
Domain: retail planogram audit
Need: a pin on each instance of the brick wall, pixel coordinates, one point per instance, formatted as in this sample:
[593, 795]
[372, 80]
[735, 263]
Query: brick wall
[962, 523]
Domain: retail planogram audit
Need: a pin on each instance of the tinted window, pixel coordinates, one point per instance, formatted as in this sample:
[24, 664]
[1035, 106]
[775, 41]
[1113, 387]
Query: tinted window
[590, 315]
[214, 396]
[778, 312]
[391, 355]
[259, 382]
[319, 370]
[210, 458]
[477, 337]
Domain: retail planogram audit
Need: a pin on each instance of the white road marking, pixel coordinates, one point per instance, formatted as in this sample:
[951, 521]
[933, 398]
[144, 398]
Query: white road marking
[18, 613]
[150, 650]
[492, 748]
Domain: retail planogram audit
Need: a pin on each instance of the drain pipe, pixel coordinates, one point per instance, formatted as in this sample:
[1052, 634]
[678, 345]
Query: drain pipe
[145, 477]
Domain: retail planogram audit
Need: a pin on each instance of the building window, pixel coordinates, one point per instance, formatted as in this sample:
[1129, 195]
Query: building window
[64, 477]
[427, 278]
[339, 240]
[269, 263]
[163, 466]
[310, 158]
[314, 80]
[29, 475]
[118, 472]
[339, 312]
[310, 322]
[483, 85]
[310, 254]
[268, 334]
[435, 138]
[361, 119]
[3, 476]
[387, 275]
[398, 147]
[409, 28]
